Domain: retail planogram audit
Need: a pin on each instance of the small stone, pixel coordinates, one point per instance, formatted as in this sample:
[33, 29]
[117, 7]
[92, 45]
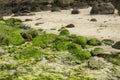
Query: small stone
[75, 11]
[93, 20]
[70, 26]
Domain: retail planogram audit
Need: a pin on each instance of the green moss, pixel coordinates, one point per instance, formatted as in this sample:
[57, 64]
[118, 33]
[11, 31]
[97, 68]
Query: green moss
[80, 40]
[64, 32]
[13, 22]
[76, 77]
[4, 39]
[15, 37]
[44, 40]
[114, 59]
[97, 51]
[94, 42]
[83, 55]
[10, 36]
[49, 77]
[77, 51]
[29, 52]
[33, 33]
[60, 46]
[73, 48]
[62, 38]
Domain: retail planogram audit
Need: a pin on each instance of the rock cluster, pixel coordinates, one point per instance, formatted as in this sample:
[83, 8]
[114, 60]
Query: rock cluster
[26, 6]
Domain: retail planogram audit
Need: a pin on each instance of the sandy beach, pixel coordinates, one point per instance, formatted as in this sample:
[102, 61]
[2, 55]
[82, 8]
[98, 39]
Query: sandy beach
[106, 26]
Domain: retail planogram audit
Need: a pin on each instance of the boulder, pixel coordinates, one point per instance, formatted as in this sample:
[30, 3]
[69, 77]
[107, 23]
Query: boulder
[102, 8]
[117, 45]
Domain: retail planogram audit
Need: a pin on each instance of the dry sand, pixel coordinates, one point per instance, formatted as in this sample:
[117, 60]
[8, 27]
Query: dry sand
[106, 27]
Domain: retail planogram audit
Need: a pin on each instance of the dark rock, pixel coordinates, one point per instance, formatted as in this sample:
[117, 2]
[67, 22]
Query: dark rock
[117, 45]
[55, 9]
[70, 26]
[102, 8]
[28, 20]
[93, 20]
[39, 23]
[26, 36]
[75, 11]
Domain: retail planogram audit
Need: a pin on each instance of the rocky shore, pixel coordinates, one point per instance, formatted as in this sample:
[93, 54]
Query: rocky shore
[59, 40]
[26, 6]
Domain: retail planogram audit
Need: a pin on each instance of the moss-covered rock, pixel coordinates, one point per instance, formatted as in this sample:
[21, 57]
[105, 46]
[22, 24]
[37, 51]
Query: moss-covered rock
[83, 55]
[10, 36]
[94, 42]
[26, 36]
[33, 33]
[81, 40]
[107, 42]
[13, 22]
[97, 51]
[60, 46]
[64, 32]
[44, 40]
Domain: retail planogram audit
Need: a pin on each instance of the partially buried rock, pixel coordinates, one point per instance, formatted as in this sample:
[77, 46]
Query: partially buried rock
[108, 42]
[117, 45]
[55, 9]
[93, 20]
[39, 23]
[102, 8]
[28, 20]
[75, 11]
[70, 26]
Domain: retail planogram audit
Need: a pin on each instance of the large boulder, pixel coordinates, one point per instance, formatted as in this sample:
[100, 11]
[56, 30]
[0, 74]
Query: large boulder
[102, 8]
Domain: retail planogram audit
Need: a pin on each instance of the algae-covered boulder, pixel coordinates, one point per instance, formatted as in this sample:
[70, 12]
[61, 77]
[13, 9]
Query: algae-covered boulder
[94, 42]
[97, 51]
[44, 40]
[82, 40]
[10, 36]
